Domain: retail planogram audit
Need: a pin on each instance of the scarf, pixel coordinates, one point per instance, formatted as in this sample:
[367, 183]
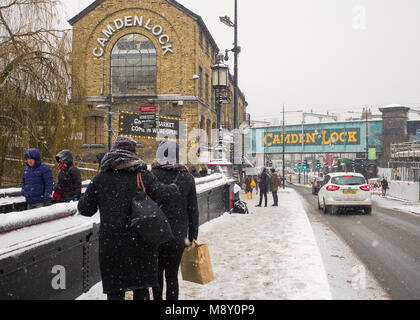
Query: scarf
[122, 160]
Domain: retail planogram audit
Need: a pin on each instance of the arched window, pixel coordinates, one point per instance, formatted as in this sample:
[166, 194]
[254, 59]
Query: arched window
[133, 65]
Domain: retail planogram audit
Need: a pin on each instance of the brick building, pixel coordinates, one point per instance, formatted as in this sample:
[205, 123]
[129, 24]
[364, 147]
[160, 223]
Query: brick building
[135, 53]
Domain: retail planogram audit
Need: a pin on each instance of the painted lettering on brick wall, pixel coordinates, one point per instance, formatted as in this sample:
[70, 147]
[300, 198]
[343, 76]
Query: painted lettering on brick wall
[133, 21]
[314, 138]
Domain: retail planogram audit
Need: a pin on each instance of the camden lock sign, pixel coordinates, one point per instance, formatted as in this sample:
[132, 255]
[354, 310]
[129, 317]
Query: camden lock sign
[148, 125]
[133, 21]
[314, 138]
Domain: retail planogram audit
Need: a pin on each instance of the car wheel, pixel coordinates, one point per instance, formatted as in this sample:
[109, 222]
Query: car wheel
[319, 205]
[325, 209]
[368, 210]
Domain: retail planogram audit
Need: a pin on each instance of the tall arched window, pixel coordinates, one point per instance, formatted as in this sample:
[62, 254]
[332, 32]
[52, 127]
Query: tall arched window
[133, 65]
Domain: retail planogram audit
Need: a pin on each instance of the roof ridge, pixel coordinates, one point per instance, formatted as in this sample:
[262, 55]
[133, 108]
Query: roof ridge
[176, 4]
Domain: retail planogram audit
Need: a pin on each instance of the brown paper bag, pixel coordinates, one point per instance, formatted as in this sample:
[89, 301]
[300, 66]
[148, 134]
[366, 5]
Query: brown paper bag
[196, 264]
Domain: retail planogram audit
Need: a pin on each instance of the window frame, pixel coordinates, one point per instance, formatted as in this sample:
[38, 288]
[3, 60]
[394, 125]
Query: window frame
[142, 76]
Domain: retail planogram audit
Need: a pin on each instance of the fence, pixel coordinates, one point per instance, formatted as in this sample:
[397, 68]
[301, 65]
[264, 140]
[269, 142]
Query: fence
[15, 167]
[61, 243]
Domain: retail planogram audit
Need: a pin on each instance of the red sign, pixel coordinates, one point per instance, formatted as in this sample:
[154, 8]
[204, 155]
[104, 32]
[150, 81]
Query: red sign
[148, 109]
[330, 160]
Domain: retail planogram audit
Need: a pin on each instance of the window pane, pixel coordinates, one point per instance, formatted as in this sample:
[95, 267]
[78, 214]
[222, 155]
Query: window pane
[133, 65]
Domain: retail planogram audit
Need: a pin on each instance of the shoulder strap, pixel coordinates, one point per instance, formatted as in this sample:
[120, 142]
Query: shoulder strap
[140, 181]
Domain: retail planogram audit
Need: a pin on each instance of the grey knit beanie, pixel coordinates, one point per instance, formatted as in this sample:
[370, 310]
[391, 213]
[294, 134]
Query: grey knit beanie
[125, 143]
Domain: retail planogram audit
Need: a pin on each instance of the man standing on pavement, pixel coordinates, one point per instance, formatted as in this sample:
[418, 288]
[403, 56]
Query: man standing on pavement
[264, 184]
[385, 186]
[274, 184]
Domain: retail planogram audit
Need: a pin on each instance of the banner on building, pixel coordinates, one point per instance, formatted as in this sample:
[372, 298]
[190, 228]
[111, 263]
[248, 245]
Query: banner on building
[372, 154]
[148, 125]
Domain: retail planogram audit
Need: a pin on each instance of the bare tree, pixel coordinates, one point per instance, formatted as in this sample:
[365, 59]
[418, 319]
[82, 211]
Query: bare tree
[35, 82]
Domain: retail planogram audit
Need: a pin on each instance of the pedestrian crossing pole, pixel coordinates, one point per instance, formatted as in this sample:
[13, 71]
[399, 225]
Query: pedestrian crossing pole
[284, 135]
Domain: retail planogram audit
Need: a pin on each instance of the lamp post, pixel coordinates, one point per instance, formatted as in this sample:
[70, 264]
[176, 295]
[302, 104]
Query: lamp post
[236, 50]
[220, 84]
[110, 131]
[284, 137]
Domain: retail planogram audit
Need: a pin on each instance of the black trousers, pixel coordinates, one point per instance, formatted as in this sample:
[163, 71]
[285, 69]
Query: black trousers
[139, 294]
[169, 261]
[275, 198]
[261, 197]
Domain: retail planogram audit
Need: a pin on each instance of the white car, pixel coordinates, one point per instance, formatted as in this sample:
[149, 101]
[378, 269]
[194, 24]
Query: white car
[345, 191]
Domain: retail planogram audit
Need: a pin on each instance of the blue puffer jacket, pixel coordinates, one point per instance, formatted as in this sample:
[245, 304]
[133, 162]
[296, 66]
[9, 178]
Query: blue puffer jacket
[37, 181]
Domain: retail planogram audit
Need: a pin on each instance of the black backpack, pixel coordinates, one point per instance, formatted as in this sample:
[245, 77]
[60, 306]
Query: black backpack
[240, 207]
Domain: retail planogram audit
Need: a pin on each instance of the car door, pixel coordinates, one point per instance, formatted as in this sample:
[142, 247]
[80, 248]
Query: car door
[322, 190]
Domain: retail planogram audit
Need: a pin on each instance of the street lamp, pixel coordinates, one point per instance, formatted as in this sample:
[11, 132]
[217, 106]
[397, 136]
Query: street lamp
[110, 131]
[236, 50]
[220, 84]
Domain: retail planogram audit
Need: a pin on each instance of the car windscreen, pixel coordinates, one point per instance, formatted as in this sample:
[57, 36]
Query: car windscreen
[348, 181]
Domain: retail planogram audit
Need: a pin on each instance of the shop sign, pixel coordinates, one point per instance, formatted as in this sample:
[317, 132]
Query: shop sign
[133, 21]
[147, 125]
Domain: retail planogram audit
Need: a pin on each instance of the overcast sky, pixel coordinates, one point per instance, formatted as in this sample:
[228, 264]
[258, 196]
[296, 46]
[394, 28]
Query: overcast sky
[320, 55]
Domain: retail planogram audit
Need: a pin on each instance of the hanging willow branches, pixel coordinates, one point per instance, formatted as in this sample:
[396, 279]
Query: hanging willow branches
[35, 82]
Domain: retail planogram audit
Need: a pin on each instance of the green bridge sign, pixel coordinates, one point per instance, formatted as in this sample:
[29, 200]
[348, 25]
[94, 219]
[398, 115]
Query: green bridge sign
[336, 137]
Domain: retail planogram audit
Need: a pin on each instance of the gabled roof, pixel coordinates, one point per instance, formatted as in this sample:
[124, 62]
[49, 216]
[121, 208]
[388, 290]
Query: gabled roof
[176, 4]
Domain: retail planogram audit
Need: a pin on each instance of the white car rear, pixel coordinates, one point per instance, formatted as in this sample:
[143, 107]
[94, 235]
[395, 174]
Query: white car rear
[345, 191]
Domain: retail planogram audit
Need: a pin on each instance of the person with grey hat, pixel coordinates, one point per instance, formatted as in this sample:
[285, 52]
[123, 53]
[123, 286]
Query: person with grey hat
[182, 214]
[127, 262]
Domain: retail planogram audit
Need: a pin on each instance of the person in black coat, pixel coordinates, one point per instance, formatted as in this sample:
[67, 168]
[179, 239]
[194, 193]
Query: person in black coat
[194, 173]
[385, 186]
[127, 262]
[69, 185]
[204, 171]
[248, 188]
[182, 214]
[264, 182]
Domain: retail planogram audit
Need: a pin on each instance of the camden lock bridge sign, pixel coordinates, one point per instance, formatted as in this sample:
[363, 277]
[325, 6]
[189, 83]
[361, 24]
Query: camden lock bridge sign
[348, 137]
[148, 125]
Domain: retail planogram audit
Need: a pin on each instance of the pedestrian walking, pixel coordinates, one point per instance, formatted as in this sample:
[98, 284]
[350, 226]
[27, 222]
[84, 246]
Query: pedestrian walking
[385, 186]
[193, 172]
[127, 262]
[264, 184]
[274, 185]
[257, 182]
[182, 215]
[69, 185]
[248, 187]
[37, 181]
[203, 171]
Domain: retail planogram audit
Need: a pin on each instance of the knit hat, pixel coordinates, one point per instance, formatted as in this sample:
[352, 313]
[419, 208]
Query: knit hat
[125, 143]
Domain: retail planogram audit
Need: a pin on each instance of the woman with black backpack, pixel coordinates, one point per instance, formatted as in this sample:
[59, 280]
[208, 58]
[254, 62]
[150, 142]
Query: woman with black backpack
[182, 214]
[127, 261]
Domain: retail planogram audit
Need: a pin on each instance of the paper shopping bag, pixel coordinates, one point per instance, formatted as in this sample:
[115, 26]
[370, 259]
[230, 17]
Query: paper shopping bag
[196, 264]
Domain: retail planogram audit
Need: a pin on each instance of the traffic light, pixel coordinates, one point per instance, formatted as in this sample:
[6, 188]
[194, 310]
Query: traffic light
[300, 166]
[318, 164]
[305, 165]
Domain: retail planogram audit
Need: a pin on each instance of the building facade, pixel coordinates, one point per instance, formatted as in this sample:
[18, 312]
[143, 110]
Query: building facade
[150, 55]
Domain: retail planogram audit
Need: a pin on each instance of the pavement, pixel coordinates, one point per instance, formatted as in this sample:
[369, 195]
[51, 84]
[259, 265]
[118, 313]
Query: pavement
[270, 254]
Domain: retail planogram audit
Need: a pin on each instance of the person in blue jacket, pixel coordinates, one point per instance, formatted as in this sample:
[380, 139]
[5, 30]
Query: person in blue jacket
[37, 181]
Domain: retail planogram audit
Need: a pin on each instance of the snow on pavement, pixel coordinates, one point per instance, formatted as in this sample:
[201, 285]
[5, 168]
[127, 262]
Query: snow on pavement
[397, 204]
[268, 255]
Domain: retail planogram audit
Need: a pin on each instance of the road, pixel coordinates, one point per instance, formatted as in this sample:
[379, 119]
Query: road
[387, 241]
